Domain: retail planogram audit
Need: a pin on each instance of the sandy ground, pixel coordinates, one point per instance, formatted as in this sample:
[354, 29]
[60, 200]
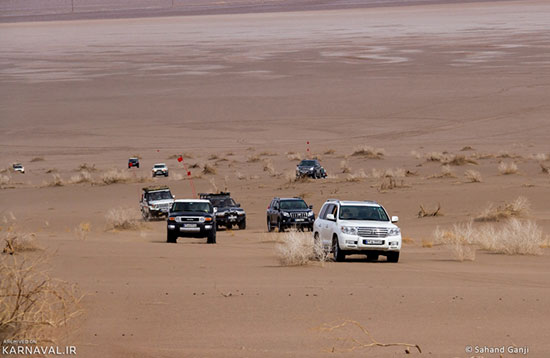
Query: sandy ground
[420, 78]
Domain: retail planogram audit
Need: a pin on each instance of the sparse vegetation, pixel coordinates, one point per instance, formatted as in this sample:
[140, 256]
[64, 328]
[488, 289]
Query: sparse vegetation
[208, 169]
[269, 168]
[368, 152]
[390, 183]
[213, 157]
[329, 151]
[298, 248]
[83, 229]
[507, 168]
[446, 172]
[123, 219]
[422, 213]
[344, 165]
[87, 167]
[55, 182]
[15, 240]
[357, 176]
[515, 209]
[450, 159]
[82, 177]
[544, 169]
[427, 243]
[294, 156]
[37, 159]
[253, 159]
[473, 176]
[114, 176]
[541, 157]
[460, 239]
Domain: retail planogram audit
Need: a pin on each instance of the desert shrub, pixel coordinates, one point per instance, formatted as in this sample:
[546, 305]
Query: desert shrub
[208, 169]
[517, 208]
[32, 304]
[460, 159]
[51, 171]
[368, 152]
[298, 248]
[388, 173]
[4, 179]
[269, 168]
[82, 177]
[329, 151]
[446, 172]
[344, 165]
[87, 167]
[55, 182]
[507, 168]
[427, 243]
[115, 176]
[293, 156]
[415, 154]
[541, 157]
[16, 240]
[422, 213]
[123, 219]
[212, 157]
[37, 159]
[83, 229]
[240, 175]
[544, 169]
[253, 159]
[460, 239]
[473, 176]
[266, 153]
[466, 148]
[357, 176]
[391, 183]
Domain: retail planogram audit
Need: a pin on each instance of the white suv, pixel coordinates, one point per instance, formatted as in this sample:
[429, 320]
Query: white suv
[357, 227]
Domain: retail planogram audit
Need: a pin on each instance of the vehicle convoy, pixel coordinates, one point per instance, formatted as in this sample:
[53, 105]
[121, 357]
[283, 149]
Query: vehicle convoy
[228, 212]
[133, 163]
[155, 202]
[310, 168]
[283, 213]
[18, 168]
[357, 227]
[191, 218]
[160, 169]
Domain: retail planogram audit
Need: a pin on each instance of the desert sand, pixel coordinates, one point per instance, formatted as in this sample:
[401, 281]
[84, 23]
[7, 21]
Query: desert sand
[411, 80]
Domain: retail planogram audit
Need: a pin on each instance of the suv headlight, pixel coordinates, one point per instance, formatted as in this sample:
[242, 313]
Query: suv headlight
[285, 213]
[201, 219]
[394, 232]
[350, 230]
[310, 213]
[220, 213]
[240, 213]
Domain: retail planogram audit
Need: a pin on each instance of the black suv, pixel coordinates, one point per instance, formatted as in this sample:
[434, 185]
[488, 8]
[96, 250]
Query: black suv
[133, 162]
[191, 218]
[289, 212]
[228, 212]
[310, 168]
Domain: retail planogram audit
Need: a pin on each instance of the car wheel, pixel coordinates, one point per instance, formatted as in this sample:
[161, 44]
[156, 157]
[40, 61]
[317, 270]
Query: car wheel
[146, 215]
[211, 238]
[392, 256]
[171, 238]
[242, 225]
[339, 255]
[280, 226]
[373, 256]
[269, 227]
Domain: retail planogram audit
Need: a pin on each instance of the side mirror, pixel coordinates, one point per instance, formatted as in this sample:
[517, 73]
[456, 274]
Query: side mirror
[215, 210]
[394, 219]
[173, 196]
[331, 217]
[238, 205]
[311, 206]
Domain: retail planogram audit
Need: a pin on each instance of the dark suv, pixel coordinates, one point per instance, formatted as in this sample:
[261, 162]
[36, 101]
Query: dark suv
[191, 218]
[133, 162]
[228, 212]
[283, 213]
[310, 168]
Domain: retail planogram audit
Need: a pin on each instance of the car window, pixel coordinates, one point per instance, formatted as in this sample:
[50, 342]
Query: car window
[198, 207]
[293, 205]
[160, 195]
[362, 212]
[223, 202]
[323, 212]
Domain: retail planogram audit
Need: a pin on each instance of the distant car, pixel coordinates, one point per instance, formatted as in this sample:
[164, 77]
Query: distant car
[284, 213]
[228, 212]
[357, 227]
[191, 218]
[160, 169]
[310, 168]
[19, 168]
[133, 163]
[155, 202]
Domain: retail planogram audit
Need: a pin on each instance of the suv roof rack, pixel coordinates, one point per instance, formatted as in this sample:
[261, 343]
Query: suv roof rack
[155, 188]
[333, 200]
[209, 195]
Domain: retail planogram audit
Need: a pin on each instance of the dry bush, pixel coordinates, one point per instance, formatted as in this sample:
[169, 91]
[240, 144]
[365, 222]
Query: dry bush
[368, 152]
[357, 176]
[240, 175]
[114, 176]
[208, 169]
[4, 180]
[269, 168]
[506, 155]
[422, 213]
[388, 173]
[299, 248]
[123, 219]
[212, 157]
[473, 176]
[436, 157]
[194, 165]
[37, 159]
[87, 167]
[32, 304]
[415, 154]
[541, 157]
[83, 229]
[461, 240]
[507, 168]
[82, 177]
[460, 159]
[391, 183]
[253, 159]
[408, 240]
[16, 241]
[51, 171]
[293, 156]
[515, 209]
[344, 165]
[544, 169]
[56, 181]
[427, 244]
[466, 148]
[329, 151]
[446, 172]
[266, 153]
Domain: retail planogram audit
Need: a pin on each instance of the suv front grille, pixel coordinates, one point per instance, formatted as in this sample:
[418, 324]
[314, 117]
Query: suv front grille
[298, 215]
[186, 219]
[372, 232]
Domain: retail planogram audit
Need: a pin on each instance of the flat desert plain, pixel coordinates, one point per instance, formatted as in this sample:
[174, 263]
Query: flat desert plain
[437, 90]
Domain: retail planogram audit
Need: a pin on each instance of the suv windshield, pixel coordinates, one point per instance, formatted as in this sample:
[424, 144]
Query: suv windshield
[159, 166]
[199, 207]
[293, 205]
[223, 202]
[362, 212]
[307, 163]
[159, 195]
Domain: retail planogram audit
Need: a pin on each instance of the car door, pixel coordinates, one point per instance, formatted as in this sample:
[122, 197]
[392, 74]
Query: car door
[331, 226]
[326, 236]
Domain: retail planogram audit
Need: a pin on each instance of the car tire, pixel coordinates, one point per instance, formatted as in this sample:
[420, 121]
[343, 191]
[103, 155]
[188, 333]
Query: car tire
[211, 238]
[146, 215]
[242, 225]
[280, 226]
[338, 254]
[373, 256]
[269, 227]
[393, 256]
[171, 238]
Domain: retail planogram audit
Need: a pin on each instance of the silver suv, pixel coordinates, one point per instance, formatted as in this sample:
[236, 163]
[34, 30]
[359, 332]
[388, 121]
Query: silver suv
[357, 227]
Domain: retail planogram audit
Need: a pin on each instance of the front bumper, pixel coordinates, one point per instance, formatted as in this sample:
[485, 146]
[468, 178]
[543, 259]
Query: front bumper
[358, 243]
[191, 230]
[230, 218]
[298, 222]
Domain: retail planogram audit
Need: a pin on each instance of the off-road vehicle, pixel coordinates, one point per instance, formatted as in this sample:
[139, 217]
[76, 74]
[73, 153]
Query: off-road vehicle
[133, 163]
[283, 213]
[228, 212]
[18, 168]
[160, 169]
[155, 202]
[357, 227]
[191, 218]
[310, 168]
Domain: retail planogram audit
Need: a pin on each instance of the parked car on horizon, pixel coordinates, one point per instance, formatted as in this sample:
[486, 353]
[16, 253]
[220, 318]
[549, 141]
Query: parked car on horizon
[310, 168]
[133, 163]
[18, 168]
